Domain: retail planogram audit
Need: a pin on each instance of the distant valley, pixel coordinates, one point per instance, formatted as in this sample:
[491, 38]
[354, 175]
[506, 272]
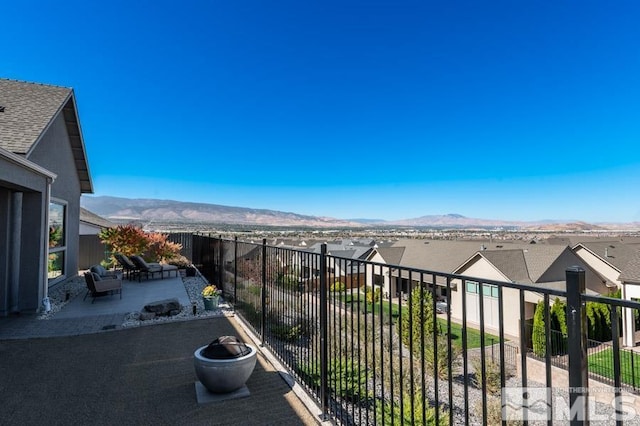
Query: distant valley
[126, 210]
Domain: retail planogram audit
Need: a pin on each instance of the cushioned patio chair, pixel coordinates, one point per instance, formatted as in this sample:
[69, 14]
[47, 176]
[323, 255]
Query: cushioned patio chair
[104, 274]
[96, 286]
[150, 269]
[128, 267]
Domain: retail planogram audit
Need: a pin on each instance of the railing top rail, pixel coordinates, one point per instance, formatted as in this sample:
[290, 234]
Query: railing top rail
[419, 271]
[611, 301]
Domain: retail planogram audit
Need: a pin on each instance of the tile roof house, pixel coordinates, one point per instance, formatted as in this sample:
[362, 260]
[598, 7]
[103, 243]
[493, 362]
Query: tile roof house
[43, 172]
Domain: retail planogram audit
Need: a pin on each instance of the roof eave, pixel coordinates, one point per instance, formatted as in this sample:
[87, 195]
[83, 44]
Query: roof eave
[72, 122]
[23, 162]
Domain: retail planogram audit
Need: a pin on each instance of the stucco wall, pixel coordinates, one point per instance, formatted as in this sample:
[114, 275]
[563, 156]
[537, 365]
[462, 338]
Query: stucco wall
[598, 265]
[558, 272]
[22, 257]
[4, 248]
[88, 229]
[32, 241]
[53, 152]
[511, 300]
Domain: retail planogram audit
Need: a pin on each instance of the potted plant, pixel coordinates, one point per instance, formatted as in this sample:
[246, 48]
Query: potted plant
[210, 296]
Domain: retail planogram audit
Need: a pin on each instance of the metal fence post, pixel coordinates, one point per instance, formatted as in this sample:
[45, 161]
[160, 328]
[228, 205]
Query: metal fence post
[220, 262]
[577, 342]
[235, 272]
[264, 289]
[324, 325]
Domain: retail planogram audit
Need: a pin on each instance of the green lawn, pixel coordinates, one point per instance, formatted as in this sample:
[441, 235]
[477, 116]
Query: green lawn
[602, 363]
[368, 308]
[473, 336]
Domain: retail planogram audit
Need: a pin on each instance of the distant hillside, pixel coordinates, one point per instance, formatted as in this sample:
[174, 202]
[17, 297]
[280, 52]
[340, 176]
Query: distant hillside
[144, 210]
[123, 210]
[457, 221]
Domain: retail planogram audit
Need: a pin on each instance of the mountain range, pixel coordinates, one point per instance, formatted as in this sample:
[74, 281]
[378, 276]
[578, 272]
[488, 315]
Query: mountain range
[125, 210]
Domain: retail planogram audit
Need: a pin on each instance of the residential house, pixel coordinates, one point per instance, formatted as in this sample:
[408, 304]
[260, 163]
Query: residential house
[617, 259]
[43, 172]
[92, 250]
[347, 265]
[92, 224]
[542, 265]
[536, 265]
[430, 255]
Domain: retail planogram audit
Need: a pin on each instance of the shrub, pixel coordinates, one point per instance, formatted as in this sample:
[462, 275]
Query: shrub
[346, 378]
[179, 261]
[491, 375]
[446, 360]
[298, 328]
[538, 337]
[284, 332]
[338, 286]
[132, 240]
[396, 415]
[559, 316]
[418, 323]
[288, 281]
[373, 295]
[599, 321]
[598, 326]
[494, 412]
[159, 248]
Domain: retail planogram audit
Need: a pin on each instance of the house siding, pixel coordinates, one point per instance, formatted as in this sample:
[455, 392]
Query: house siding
[53, 152]
[22, 198]
[481, 268]
[598, 265]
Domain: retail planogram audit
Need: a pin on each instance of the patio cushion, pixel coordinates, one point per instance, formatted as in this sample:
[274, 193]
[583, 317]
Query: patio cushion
[96, 276]
[98, 269]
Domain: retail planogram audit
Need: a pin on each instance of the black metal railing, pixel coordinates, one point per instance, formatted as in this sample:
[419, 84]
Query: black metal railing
[368, 359]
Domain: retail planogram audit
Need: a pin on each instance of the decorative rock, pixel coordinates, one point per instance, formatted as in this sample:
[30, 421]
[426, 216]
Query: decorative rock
[144, 316]
[163, 307]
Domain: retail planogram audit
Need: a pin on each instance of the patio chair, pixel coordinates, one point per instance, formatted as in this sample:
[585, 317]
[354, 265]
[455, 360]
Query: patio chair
[97, 287]
[104, 274]
[149, 269]
[128, 267]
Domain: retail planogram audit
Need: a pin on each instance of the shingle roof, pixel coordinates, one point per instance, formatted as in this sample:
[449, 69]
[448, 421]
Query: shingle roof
[526, 264]
[541, 257]
[511, 263]
[391, 255]
[616, 252]
[437, 255]
[29, 109]
[631, 271]
[93, 219]
[340, 250]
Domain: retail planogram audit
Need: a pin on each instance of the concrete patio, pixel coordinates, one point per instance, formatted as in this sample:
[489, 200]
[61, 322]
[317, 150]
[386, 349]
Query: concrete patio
[134, 296]
[89, 372]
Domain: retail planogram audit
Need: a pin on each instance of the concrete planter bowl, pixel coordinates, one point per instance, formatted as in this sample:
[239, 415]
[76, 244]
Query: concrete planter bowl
[224, 375]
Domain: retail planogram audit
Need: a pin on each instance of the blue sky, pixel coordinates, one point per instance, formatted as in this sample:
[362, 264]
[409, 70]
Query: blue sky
[514, 110]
